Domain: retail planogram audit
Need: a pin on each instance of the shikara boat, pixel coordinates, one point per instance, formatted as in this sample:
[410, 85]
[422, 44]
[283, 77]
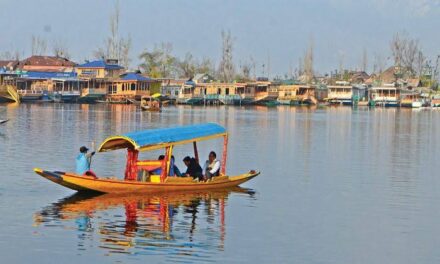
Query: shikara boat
[149, 103]
[138, 178]
[3, 121]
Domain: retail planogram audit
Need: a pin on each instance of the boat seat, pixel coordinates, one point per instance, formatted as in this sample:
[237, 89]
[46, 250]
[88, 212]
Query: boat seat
[178, 179]
[149, 165]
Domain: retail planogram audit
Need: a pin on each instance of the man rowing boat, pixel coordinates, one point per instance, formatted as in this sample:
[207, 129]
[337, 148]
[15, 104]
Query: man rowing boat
[83, 162]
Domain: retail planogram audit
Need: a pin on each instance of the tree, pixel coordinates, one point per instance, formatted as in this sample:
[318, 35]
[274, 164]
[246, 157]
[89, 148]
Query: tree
[308, 63]
[379, 64]
[420, 64]
[159, 62]
[406, 52]
[364, 64]
[39, 45]
[115, 47]
[226, 67]
[187, 66]
[59, 49]
[205, 66]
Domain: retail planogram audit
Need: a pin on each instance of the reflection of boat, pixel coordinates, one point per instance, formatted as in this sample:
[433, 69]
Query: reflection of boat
[149, 103]
[171, 222]
[138, 174]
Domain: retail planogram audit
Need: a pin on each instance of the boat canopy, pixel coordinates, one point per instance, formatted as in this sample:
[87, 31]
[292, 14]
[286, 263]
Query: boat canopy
[160, 138]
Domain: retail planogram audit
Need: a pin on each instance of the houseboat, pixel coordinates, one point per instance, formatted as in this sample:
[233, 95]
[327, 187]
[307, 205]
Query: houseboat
[388, 96]
[410, 99]
[340, 94]
[190, 94]
[98, 78]
[8, 88]
[263, 92]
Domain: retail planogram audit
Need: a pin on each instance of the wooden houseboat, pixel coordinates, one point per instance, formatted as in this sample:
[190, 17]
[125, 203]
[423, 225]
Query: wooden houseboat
[340, 94]
[388, 96]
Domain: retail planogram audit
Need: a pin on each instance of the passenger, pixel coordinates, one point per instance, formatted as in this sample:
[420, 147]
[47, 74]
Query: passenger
[194, 170]
[158, 171]
[83, 162]
[174, 170]
[212, 166]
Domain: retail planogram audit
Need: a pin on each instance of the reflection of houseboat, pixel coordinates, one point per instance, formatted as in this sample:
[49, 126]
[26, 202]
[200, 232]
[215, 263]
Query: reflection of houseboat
[388, 96]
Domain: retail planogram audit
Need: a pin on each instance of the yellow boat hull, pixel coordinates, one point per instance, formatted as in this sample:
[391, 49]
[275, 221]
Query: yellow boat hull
[86, 183]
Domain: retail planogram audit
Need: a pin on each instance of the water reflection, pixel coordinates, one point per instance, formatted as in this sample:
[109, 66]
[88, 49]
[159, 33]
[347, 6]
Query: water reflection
[184, 223]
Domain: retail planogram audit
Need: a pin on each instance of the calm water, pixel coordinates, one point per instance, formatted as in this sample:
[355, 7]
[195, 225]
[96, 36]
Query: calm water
[337, 186]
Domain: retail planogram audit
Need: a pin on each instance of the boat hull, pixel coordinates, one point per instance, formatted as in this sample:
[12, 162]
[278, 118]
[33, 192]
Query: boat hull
[91, 184]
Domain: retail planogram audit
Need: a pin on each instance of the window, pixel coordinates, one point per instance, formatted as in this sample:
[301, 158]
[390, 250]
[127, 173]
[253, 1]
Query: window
[133, 87]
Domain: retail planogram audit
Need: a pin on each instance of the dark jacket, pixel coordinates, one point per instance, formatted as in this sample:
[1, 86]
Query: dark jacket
[194, 168]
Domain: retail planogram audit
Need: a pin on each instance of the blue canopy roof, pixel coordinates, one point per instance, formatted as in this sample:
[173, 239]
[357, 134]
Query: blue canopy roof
[146, 139]
[48, 75]
[131, 76]
[100, 64]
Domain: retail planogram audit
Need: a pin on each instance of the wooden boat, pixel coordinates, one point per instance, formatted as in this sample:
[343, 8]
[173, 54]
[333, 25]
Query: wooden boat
[138, 178]
[149, 103]
[3, 121]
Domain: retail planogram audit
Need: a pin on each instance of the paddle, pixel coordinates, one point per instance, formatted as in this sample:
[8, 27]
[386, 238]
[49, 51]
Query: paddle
[93, 151]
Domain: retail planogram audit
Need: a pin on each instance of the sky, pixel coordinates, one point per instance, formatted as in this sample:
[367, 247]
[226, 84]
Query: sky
[275, 32]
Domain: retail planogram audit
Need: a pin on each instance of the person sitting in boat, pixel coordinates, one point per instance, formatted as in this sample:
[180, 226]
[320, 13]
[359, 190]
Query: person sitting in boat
[194, 170]
[158, 171]
[83, 161]
[174, 170]
[212, 166]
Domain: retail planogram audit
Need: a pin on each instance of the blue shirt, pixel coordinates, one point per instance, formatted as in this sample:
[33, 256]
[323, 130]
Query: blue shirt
[82, 164]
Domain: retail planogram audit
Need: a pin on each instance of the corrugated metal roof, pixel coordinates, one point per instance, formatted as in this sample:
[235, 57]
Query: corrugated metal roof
[100, 64]
[131, 76]
[48, 75]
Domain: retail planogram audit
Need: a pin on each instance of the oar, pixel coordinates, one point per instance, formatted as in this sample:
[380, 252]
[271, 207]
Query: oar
[93, 150]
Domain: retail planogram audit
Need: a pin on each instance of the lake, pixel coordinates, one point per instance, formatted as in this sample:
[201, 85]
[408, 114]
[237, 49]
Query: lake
[337, 185]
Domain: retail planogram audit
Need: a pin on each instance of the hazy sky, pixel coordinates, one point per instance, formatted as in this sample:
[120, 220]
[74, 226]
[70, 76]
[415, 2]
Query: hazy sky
[279, 29]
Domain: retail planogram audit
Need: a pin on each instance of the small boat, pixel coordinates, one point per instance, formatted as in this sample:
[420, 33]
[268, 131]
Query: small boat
[149, 103]
[138, 177]
[3, 121]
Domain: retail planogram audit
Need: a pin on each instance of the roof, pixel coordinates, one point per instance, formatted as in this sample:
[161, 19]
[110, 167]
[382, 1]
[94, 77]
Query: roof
[47, 75]
[8, 63]
[131, 76]
[100, 64]
[163, 137]
[47, 61]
